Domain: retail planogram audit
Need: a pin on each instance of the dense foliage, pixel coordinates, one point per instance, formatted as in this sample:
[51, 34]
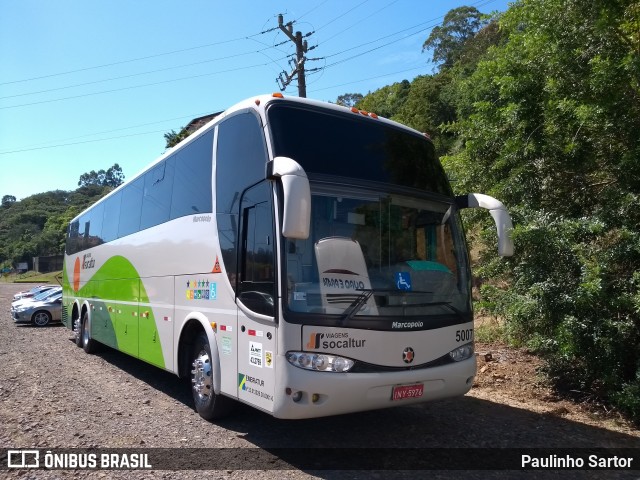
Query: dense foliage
[540, 107]
[36, 226]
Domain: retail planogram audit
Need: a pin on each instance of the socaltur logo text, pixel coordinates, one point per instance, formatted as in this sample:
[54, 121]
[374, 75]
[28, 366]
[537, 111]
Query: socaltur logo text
[333, 340]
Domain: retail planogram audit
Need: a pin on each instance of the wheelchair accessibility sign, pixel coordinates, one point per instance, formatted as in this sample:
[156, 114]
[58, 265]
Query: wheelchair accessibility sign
[403, 281]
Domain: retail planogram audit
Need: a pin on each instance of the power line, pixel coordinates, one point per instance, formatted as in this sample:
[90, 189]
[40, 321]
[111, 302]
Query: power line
[370, 78]
[341, 15]
[139, 58]
[66, 144]
[45, 144]
[480, 3]
[430, 26]
[359, 22]
[135, 74]
[81, 142]
[134, 86]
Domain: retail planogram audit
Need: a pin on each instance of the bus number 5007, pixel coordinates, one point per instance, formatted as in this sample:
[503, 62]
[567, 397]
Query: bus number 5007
[464, 335]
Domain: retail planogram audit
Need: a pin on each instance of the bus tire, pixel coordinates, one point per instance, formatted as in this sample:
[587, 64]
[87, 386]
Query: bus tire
[209, 405]
[88, 344]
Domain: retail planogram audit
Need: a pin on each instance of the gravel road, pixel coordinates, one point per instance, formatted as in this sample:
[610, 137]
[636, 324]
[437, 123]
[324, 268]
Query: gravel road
[53, 395]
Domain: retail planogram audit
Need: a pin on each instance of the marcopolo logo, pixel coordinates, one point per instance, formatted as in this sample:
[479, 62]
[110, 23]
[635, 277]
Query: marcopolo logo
[407, 325]
[333, 341]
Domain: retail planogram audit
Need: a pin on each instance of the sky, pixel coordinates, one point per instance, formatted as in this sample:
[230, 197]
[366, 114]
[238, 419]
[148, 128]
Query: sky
[87, 84]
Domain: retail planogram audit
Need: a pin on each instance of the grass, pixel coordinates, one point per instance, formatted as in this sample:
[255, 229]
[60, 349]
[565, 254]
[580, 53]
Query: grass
[33, 277]
[489, 330]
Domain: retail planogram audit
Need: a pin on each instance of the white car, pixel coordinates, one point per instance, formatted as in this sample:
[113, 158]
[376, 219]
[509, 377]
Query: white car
[43, 295]
[40, 313]
[32, 292]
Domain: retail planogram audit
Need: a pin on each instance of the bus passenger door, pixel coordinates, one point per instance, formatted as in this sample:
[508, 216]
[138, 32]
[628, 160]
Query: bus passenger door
[256, 297]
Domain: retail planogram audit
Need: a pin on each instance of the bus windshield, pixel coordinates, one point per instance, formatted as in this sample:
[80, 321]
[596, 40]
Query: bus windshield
[371, 254]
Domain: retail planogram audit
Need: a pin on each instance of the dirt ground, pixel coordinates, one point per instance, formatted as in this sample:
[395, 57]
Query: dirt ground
[53, 396]
[512, 377]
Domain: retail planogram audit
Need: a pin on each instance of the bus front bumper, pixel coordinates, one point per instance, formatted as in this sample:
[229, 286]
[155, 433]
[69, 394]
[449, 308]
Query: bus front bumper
[309, 394]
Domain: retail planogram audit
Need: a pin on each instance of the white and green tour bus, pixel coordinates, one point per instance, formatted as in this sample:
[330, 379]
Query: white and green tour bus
[304, 258]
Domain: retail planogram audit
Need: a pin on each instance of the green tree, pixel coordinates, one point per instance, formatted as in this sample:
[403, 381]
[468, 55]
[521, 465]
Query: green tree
[8, 200]
[428, 109]
[172, 138]
[349, 99]
[387, 101]
[548, 122]
[448, 40]
[112, 177]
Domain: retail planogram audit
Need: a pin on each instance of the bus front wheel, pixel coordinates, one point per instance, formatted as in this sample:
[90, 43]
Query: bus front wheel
[208, 404]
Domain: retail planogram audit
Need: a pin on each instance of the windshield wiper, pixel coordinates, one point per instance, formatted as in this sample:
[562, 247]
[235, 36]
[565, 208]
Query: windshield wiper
[366, 294]
[357, 304]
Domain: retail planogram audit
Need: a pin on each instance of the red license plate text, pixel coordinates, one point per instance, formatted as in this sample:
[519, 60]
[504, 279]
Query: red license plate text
[407, 391]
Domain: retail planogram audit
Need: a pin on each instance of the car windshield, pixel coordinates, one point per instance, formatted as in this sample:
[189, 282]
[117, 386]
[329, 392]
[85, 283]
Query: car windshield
[373, 254]
[54, 298]
[46, 294]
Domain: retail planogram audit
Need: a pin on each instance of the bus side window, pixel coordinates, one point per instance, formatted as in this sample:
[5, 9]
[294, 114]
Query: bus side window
[241, 159]
[131, 207]
[156, 198]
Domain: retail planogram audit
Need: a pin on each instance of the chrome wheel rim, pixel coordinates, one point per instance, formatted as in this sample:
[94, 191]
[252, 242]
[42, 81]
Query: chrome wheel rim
[85, 335]
[41, 319]
[201, 375]
[76, 328]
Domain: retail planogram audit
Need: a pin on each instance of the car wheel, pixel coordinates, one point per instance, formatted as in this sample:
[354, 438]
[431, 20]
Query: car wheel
[208, 404]
[41, 319]
[88, 344]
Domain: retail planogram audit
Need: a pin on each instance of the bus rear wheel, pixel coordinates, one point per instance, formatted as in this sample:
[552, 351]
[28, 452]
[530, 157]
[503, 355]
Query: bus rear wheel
[208, 404]
[88, 344]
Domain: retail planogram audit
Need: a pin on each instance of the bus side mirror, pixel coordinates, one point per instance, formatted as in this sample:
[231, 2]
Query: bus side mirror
[500, 216]
[297, 196]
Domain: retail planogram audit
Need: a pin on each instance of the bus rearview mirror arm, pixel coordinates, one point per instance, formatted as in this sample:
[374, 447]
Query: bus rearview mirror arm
[297, 196]
[500, 216]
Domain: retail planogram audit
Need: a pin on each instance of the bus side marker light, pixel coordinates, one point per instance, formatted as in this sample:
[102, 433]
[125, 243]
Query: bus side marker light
[213, 324]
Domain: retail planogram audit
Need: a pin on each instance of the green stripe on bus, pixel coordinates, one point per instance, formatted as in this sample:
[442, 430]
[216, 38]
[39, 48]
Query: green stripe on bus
[118, 281]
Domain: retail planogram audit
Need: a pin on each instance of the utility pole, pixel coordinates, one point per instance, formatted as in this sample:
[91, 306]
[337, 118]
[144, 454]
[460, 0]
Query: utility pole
[298, 66]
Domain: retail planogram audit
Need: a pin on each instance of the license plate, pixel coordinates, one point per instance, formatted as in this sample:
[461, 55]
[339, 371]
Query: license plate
[407, 391]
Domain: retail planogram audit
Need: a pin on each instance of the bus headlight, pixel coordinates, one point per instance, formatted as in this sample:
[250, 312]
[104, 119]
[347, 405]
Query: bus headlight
[462, 353]
[319, 362]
